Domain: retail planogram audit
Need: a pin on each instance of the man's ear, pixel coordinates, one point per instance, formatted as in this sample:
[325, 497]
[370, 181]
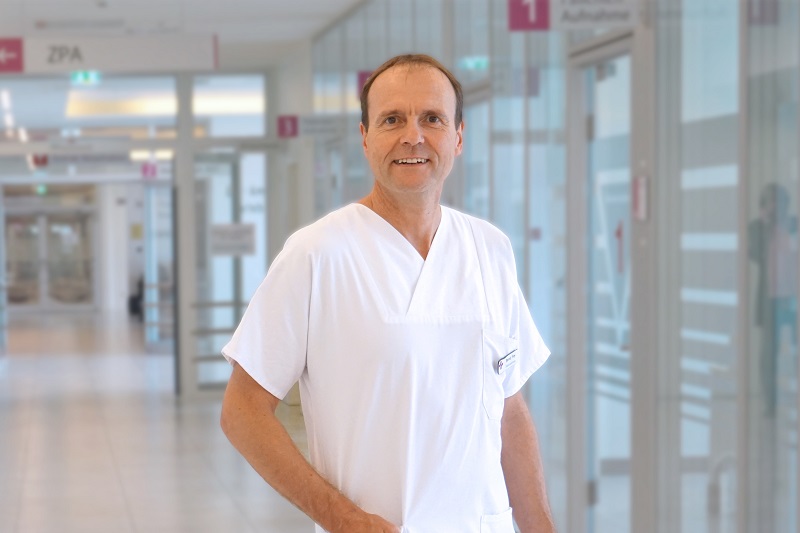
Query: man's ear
[363, 135]
[460, 137]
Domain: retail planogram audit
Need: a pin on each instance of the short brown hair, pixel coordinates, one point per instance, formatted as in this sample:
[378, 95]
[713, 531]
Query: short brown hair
[411, 60]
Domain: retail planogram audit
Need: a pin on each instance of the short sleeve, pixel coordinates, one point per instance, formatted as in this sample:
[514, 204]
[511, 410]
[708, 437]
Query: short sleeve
[530, 347]
[271, 340]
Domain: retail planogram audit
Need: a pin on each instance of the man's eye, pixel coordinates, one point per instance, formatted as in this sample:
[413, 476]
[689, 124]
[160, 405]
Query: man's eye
[391, 120]
[433, 119]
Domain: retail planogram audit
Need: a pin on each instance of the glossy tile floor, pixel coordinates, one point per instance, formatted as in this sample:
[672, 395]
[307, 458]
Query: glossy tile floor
[92, 439]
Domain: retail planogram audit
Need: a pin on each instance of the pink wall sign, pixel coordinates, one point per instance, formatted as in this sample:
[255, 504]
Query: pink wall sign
[149, 170]
[11, 55]
[288, 126]
[528, 15]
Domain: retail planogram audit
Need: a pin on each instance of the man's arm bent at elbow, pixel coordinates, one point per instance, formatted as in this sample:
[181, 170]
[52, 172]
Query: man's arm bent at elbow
[248, 420]
[522, 468]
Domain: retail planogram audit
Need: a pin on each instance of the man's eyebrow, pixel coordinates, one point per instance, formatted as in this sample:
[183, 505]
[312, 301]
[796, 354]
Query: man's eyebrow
[385, 114]
[438, 112]
[426, 112]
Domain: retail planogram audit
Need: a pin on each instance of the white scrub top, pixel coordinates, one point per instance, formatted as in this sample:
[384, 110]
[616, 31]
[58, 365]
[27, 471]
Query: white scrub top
[404, 364]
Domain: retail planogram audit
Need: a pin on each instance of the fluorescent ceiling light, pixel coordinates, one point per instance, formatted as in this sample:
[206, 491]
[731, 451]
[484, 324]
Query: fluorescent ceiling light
[147, 155]
[22, 133]
[83, 104]
[229, 104]
[5, 98]
[9, 120]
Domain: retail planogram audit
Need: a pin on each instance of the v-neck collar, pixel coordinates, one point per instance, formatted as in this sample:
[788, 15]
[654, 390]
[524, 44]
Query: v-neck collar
[397, 236]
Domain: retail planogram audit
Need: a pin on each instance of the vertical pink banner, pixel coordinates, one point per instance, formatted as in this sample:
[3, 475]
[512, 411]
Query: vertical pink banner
[288, 126]
[528, 15]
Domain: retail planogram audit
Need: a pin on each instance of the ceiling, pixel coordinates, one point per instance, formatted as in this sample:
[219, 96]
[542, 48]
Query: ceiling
[270, 22]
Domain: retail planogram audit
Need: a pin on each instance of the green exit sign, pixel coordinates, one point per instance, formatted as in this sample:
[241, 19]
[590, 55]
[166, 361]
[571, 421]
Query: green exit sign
[85, 77]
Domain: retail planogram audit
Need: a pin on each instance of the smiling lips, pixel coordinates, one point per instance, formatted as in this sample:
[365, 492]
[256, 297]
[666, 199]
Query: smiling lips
[410, 161]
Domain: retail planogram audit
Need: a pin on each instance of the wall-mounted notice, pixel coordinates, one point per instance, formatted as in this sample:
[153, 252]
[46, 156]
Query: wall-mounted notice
[232, 239]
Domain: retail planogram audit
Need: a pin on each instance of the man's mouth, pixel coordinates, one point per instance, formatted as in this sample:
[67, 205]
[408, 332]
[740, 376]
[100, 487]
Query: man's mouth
[411, 161]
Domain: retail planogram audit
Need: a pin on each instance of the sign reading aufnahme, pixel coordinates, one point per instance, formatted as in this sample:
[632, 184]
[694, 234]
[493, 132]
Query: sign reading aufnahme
[590, 14]
[544, 15]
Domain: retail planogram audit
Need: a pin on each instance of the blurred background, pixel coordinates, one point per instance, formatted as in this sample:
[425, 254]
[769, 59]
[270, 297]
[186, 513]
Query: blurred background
[641, 155]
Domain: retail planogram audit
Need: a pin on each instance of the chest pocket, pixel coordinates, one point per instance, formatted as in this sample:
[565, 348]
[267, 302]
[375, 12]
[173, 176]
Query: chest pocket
[498, 523]
[496, 348]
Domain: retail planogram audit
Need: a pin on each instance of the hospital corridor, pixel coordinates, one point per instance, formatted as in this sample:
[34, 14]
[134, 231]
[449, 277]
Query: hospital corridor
[95, 440]
[641, 157]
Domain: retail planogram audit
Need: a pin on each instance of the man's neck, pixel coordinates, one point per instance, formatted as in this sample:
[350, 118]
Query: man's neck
[416, 218]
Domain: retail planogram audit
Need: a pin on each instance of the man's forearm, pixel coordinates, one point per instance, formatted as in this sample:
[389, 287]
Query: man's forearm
[522, 468]
[248, 420]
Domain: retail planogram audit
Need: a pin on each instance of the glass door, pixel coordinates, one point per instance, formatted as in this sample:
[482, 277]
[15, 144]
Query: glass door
[231, 233]
[601, 141]
[68, 274]
[23, 260]
[50, 262]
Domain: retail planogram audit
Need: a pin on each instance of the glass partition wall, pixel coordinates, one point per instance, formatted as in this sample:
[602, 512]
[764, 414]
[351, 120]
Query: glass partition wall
[698, 127]
[771, 61]
[721, 204]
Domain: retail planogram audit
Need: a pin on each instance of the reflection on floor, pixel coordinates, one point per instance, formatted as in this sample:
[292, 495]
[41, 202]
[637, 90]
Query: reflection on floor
[92, 439]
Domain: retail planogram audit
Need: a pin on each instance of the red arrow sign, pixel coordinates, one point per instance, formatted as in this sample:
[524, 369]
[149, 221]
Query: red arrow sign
[11, 55]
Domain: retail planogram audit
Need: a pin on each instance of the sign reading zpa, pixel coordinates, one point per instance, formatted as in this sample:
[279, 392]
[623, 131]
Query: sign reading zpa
[164, 53]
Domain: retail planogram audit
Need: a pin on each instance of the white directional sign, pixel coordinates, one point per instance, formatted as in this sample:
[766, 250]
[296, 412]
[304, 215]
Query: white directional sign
[544, 15]
[592, 14]
[164, 53]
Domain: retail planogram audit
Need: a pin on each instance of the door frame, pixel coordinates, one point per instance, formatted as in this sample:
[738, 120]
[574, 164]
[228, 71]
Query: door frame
[579, 490]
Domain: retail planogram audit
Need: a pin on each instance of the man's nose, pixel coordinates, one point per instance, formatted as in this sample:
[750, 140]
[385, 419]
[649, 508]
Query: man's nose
[412, 133]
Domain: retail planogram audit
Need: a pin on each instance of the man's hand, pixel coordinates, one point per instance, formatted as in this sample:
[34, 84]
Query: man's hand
[368, 523]
[248, 420]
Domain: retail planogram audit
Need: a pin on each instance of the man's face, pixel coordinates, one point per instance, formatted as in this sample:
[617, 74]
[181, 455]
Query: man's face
[412, 138]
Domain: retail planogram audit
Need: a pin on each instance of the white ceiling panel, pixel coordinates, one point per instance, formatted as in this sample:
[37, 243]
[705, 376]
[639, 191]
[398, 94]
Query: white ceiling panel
[267, 21]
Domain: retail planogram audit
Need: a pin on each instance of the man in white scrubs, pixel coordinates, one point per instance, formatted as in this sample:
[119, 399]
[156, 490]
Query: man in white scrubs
[404, 323]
